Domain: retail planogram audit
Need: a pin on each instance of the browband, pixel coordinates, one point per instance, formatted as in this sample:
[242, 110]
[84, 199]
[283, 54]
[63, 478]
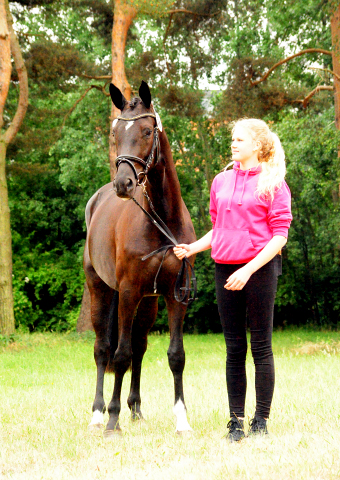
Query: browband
[129, 119]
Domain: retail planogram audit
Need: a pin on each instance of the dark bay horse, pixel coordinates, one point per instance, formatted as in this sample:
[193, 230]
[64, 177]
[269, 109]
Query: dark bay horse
[124, 302]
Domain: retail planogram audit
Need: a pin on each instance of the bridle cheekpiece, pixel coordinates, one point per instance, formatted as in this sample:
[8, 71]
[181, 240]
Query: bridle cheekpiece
[130, 159]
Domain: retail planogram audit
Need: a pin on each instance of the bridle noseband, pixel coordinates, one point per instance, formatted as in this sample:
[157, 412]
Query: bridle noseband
[146, 164]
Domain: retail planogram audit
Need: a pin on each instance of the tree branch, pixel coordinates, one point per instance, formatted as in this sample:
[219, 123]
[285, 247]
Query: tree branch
[29, 34]
[23, 82]
[168, 28]
[97, 87]
[184, 10]
[5, 61]
[307, 99]
[326, 70]
[285, 60]
[164, 47]
[92, 77]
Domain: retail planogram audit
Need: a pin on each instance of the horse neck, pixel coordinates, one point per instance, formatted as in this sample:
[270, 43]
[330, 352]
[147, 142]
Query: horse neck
[163, 186]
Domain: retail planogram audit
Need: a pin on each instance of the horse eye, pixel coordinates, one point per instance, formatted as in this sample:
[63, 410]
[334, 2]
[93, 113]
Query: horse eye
[147, 132]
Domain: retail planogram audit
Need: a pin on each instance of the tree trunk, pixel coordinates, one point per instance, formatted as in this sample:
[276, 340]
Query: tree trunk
[335, 31]
[7, 323]
[123, 17]
[84, 320]
[5, 61]
[23, 81]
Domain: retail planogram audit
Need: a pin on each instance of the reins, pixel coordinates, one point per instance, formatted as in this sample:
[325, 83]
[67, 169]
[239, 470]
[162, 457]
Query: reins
[182, 294]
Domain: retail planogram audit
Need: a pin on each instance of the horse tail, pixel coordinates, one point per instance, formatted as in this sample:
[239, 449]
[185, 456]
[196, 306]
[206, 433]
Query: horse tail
[113, 330]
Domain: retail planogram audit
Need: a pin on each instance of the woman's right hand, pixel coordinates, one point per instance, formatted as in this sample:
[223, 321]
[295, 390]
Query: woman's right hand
[182, 250]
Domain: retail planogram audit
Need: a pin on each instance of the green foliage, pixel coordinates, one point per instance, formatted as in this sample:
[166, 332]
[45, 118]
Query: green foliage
[6, 340]
[150, 7]
[309, 290]
[48, 296]
[53, 171]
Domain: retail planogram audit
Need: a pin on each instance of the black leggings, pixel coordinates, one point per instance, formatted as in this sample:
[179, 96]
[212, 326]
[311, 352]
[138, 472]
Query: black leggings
[256, 303]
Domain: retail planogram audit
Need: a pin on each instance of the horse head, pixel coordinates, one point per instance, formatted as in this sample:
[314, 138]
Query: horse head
[136, 135]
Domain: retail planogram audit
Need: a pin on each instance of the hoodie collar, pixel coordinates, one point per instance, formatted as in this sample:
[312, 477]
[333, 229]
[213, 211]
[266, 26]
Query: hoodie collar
[252, 171]
[244, 173]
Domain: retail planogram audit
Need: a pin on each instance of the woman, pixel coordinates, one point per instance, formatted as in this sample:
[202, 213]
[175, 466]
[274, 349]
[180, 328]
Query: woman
[250, 209]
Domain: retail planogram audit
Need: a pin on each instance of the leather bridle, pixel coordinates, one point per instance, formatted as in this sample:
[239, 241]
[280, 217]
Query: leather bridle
[154, 152]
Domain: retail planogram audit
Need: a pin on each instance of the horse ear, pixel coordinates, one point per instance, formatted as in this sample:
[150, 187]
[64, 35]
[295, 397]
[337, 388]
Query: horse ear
[144, 93]
[117, 97]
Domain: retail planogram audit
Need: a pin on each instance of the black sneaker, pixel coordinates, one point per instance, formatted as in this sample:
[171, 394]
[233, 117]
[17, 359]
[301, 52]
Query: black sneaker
[236, 430]
[258, 426]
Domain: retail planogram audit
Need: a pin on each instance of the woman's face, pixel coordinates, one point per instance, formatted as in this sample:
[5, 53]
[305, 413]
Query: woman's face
[243, 147]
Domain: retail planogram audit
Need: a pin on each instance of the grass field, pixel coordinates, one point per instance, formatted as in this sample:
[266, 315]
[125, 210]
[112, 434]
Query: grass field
[47, 384]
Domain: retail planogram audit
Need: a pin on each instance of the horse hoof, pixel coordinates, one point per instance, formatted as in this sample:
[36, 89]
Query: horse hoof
[184, 433]
[137, 417]
[95, 427]
[112, 434]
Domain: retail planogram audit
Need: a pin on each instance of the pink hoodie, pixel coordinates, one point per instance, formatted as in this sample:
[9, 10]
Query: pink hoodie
[242, 223]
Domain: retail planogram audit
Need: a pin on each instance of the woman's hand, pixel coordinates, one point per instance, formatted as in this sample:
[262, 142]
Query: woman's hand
[238, 279]
[182, 250]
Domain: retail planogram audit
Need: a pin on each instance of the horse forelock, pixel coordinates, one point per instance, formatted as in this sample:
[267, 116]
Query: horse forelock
[135, 102]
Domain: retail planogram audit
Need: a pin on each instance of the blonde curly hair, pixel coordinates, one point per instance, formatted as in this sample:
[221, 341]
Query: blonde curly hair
[271, 156]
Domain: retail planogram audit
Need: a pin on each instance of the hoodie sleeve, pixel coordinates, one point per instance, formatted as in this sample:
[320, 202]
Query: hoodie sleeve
[279, 214]
[213, 206]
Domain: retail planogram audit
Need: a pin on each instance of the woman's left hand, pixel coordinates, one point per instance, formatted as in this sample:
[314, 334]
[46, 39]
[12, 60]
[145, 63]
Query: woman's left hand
[238, 279]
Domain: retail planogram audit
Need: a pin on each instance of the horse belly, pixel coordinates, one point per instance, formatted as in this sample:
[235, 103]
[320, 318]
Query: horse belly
[101, 245]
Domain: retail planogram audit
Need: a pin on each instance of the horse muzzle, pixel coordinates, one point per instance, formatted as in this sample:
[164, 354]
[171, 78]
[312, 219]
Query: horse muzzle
[124, 187]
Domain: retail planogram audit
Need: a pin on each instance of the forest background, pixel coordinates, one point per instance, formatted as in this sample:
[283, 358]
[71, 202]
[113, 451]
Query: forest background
[203, 61]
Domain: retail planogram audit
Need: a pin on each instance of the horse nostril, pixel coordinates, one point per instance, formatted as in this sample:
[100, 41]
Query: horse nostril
[129, 184]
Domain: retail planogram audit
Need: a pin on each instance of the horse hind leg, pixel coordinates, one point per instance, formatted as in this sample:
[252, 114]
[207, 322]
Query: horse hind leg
[176, 357]
[145, 318]
[101, 305]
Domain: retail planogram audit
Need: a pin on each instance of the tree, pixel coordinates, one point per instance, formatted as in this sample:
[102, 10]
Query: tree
[125, 11]
[53, 171]
[335, 30]
[9, 45]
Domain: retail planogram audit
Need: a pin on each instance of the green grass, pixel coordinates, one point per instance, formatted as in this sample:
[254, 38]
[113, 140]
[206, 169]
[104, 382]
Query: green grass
[47, 384]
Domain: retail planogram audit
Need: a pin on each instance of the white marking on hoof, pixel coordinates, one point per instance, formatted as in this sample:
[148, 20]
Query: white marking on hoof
[181, 414]
[97, 419]
[128, 125]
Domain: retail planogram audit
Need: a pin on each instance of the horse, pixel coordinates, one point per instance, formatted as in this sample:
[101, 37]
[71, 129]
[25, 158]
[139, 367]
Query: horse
[120, 271]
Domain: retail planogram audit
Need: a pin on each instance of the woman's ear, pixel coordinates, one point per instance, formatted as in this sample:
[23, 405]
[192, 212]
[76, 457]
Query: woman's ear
[257, 146]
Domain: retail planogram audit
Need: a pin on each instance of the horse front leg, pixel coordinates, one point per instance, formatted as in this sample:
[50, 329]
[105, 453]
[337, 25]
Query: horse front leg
[176, 357]
[101, 299]
[145, 318]
[128, 301]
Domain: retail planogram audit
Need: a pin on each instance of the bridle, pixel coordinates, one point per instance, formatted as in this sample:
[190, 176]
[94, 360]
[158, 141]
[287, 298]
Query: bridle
[154, 152]
[182, 294]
